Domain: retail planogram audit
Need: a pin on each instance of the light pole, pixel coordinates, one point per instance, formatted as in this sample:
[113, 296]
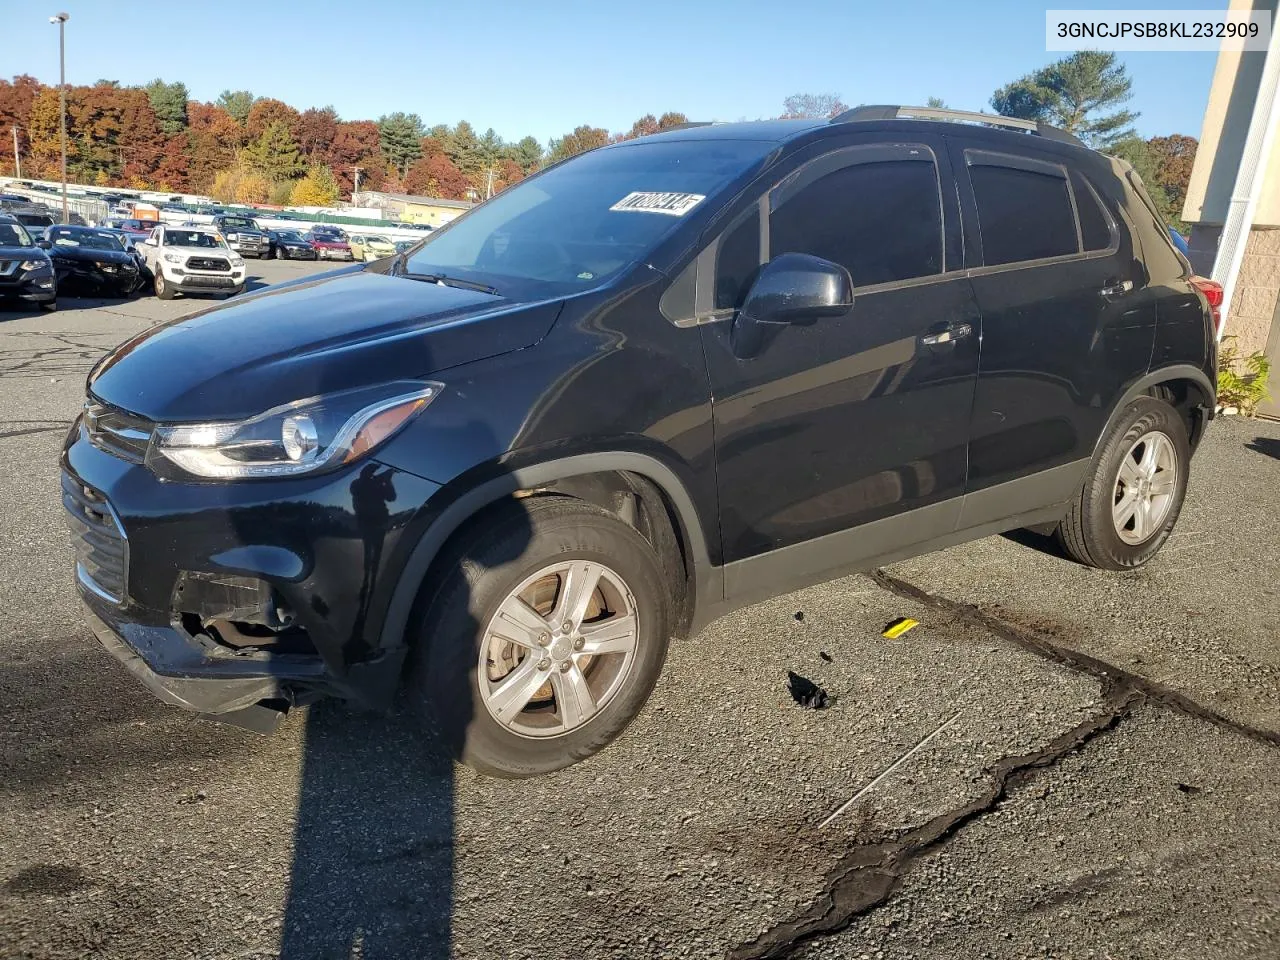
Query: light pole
[61, 20]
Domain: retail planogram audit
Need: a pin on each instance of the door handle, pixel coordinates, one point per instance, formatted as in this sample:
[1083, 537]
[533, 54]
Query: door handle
[1117, 289]
[954, 332]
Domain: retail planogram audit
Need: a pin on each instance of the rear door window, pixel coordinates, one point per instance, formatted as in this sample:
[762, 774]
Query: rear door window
[1024, 209]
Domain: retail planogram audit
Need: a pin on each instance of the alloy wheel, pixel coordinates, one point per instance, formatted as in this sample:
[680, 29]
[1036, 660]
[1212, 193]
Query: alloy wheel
[558, 649]
[1145, 487]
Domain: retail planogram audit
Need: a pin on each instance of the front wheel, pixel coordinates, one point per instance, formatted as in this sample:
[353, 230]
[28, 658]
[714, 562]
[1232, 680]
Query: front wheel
[1133, 492]
[279, 253]
[544, 639]
[163, 289]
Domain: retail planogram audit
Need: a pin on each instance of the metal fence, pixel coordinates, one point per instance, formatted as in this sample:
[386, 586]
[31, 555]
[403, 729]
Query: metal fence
[92, 210]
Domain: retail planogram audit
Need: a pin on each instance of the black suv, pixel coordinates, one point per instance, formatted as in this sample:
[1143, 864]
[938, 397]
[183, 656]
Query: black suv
[652, 383]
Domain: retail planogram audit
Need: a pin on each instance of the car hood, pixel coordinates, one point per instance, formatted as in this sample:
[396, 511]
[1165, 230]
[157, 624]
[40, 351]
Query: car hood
[85, 255]
[345, 330]
[21, 253]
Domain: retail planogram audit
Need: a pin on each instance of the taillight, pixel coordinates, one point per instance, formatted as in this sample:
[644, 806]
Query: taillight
[1212, 291]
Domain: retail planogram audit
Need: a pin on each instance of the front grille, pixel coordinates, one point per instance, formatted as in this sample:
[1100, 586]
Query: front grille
[197, 280]
[102, 552]
[118, 433]
[8, 267]
[207, 263]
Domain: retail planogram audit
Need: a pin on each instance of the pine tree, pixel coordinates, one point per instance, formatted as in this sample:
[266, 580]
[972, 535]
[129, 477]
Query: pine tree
[399, 134]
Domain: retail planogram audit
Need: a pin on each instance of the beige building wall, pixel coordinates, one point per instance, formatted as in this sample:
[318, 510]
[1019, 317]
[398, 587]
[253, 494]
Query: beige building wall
[1226, 124]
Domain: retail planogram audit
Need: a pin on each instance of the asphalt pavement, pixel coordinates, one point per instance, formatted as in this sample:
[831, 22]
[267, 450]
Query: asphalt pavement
[1103, 784]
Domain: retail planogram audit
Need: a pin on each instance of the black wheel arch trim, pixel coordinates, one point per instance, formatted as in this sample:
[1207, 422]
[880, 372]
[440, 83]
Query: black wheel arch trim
[708, 580]
[1176, 371]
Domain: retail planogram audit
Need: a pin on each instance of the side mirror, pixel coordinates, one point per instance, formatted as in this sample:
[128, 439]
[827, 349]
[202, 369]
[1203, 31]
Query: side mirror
[44, 244]
[151, 242]
[792, 288]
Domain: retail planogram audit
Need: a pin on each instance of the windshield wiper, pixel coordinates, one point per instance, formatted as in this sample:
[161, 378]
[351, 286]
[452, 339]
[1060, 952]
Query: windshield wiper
[445, 281]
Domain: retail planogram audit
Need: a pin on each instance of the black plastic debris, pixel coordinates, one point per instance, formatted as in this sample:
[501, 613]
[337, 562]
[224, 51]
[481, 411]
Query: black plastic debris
[1187, 788]
[826, 656]
[799, 614]
[807, 693]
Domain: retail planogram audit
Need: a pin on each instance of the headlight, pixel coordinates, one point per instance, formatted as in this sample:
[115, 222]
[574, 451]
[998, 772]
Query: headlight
[173, 258]
[233, 236]
[302, 437]
[33, 264]
[237, 262]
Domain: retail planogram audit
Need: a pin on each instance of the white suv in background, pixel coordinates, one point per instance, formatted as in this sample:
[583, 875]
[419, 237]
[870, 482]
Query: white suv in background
[192, 259]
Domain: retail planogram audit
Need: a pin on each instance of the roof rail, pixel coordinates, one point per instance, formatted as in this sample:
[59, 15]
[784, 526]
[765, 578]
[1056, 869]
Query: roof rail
[688, 125]
[895, 112]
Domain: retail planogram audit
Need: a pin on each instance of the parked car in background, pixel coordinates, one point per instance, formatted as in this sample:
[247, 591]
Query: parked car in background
[90, 260]
[26, 272]
[290, 245]
[325, 230]
[35, 219]
[404, 245]
[331, 247]
[192, 260]
[243, 234]
[137, 229]
[130, 245]
[366, 246]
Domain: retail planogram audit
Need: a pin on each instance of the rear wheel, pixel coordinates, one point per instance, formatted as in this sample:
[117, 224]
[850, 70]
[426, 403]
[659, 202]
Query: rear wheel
[544, 639]
[1133, 493]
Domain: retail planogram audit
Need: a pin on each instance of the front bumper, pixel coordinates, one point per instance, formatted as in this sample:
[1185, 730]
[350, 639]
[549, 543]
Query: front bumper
[183, 672]
[80, 276]
[320, 545]
[36, 286]
[297, 253]
[249, 248]
[323, 254]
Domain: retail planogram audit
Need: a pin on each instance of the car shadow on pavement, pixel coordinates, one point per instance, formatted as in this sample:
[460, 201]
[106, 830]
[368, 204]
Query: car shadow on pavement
[373, 867]
[372, 873]
[1044, 543]
[1267, 446]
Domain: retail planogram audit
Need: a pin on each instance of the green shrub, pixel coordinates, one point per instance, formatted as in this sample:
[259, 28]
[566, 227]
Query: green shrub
[1242, 381]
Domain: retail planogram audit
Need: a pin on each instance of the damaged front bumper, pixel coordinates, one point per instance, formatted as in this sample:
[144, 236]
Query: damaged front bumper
[183, 671]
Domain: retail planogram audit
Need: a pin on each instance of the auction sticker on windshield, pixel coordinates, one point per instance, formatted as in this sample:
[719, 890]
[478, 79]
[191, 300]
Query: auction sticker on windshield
[672, 204]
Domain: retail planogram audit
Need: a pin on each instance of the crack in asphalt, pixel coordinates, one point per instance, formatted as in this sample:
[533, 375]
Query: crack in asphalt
[30, 430]
[868, 875]
[1106, 673]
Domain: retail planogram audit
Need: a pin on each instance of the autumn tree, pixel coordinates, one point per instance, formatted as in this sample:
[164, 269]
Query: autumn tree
[274, 153]
[238, 103]
[1081, 94]
[812, 106]
[239, 185]
[16, 98]
[357, 143]
[1173, 157]
[673, 118]
[582, 138]
[213, 136]
[266, 111]
[436, 176]
[399, 134]
[169, 101]
[317, 189]
[315, 131]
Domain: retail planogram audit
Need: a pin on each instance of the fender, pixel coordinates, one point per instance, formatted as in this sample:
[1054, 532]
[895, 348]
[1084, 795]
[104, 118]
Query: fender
[1177, 371]
[708, 580]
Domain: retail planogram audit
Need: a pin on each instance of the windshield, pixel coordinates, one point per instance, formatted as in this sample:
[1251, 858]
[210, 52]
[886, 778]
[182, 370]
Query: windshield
[34, 219]
[585, 220]
[377, 240]
[13, 235]
[191, 238]
[289, 235]
[241, 222]
[90, 240]
[137, 224]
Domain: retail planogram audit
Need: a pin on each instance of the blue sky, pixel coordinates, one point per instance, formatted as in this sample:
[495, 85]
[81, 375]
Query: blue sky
[543, 68]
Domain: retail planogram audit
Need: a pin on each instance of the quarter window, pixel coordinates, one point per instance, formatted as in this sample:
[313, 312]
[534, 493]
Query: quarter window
[1024, 215]
[1096, 230]
[882, 221]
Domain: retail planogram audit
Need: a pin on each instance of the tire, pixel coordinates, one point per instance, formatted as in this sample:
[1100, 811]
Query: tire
[280, 253]
[487, 564]
[1117, 523]
[163, 290]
